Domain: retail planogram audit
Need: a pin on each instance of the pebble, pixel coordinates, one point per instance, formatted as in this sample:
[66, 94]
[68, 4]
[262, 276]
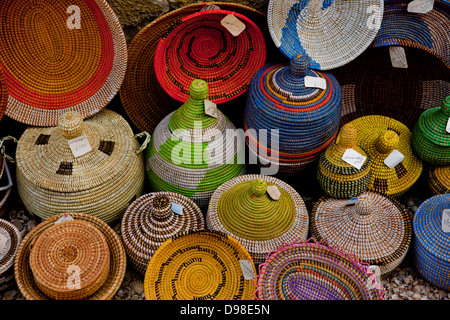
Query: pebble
[416, 296]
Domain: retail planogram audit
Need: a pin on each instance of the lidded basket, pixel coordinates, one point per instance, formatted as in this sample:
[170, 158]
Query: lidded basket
[10, 239]
[439, 179]
[193, 153]
[52, 178]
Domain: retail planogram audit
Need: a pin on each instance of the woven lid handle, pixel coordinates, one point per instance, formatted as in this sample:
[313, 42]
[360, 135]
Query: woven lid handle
[387, 141]
[259, 187]
[71, 124]
[161, 207]
[299, 66]
[198, 90]
[445, 107]
[348, 136]
[364, 205]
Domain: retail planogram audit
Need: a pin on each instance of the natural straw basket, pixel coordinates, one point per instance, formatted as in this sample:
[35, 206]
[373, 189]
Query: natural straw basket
[12, 238]
[243, 209]
[316, 271]
[60, 68]
[150, 220]
[143, 98]
[6, 181]
[431, 243]
[439, 179]
[329, 33]
[379, 136]
[193, 153]
[336, 177]
[117, 265]
[51, 180]
[200, 265]
[70, 244]
[377, 229]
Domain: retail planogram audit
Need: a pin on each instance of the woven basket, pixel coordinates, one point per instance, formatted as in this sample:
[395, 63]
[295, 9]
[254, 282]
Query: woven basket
[6, 186]
[377, 229]
[143, 98]
[150, 220]
[329, 33]
[60, 68]
[336, 177]
[192, 153]
[439, 179]
[117, 264]
[379, 136]
[71, 249]
[430, 138]
[10, 236]
[7, 280]
[199, 265]
[3, 93]
[307, 118]
[313, 271]
[51, 180]
[243, 209]
[431, 243]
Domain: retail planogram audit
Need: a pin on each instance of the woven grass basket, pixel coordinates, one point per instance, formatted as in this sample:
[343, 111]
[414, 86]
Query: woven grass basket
[63, 65]
[4, 95]
[51, 180]
[439, 179]
[117, 263]
[329, 33]
[336, 177]
[6, 182]
[431, 243]
[10, 238]
[243, 209]
[377, 229]
[151, 219]
[379, 136]
[200, 265]
[310, 270]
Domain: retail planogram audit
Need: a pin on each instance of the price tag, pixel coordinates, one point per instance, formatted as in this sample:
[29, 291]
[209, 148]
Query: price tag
[233, 24]
[3, 241]
[376, 272]
[274, 192]
[66, 217]
[315, 82]
[177, 208]
[354, 158]
[247, 269]
[420, 6]
[448, 126]
[352, 201]
[398, 57]
[394, 158]
[211, 109]
[79, 146]
[445, 221]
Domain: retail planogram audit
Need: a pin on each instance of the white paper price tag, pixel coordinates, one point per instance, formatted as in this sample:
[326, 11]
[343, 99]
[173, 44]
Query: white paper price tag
[445, 221]
[66, 217]
[79, 146]
[448, 126]
[3, 241]
[211, 109]
[177, 208]
[233, 24]
[420, 6]
[315, 82]
[394, 158]
[274, 192]
[352, 201]
[398, 57]
[247, 269]
[376, 272]
[354, 158]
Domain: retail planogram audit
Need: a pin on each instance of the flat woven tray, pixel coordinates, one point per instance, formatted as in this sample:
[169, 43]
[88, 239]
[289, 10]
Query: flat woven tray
[11, 238]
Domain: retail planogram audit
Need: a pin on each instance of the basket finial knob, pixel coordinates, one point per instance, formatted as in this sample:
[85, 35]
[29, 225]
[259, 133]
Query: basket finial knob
[348, 136]
[299, 66]
[161, 206]
[71, 124]
[387, 141]
[445, 107]
[364, 205]
[198, 89]
[259, 187]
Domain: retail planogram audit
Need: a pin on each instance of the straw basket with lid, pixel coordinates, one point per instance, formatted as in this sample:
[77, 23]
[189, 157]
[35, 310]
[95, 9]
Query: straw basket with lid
[245, 208]
[200, 265]
[70, 256]
[52, 178]
[310, 270]
[431, 226]
[376, 228]
[193, 153]
[337, 177]
[431, 135]
[439, 179]
[306, 117]
[152, 219]
[382, 137]
[10, 239]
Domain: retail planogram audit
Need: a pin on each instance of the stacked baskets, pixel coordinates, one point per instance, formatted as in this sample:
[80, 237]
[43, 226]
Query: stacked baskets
[439, 179]
[10, 239]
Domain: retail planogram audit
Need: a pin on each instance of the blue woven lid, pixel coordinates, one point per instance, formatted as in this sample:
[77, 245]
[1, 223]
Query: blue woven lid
[427, 226]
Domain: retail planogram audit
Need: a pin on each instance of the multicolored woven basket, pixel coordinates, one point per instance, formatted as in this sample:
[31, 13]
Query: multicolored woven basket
[339, 178]
[200, 265]
[193, 153]
[430, 137]
[379, 136]
[73, 57]
[10, 239]
[6, 182]
[152, 219]
[432, 239]
[439, 179]
[3, 93]
[243, 207]
[24, 274]
[288, 122]
[329, 32]
[377, 228]
[315, 271]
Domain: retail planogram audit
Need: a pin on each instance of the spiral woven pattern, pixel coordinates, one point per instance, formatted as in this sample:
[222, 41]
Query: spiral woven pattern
[117, 264]
[52, 66]
[3, 93]
[344, 28]
[200, 265]
[9, 251]
[439, 179]
[313, 271]
[150, 220]
[70, 244]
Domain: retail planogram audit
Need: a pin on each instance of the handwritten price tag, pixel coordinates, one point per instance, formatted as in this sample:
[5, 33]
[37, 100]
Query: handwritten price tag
[177, 208]
[233, 24]
[315, 82]
[448, 126]
[354, 158]
[247, 269]
[393, 159]
[398, 57]
[274, 192]
[211, 109]
[3, 241]
[420, 6]
[445, 221]
[64, 218]
[79, 146]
